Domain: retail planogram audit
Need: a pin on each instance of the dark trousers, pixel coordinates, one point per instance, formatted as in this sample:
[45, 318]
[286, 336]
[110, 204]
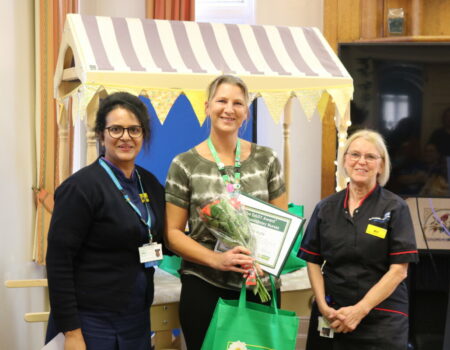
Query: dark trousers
[198, 300]
[110, 331]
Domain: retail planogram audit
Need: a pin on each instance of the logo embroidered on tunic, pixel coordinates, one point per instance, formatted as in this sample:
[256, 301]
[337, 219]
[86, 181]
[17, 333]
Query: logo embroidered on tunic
[385, 219]
[378, 226]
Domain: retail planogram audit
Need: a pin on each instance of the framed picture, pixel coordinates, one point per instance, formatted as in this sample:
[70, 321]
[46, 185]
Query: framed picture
[431, 219]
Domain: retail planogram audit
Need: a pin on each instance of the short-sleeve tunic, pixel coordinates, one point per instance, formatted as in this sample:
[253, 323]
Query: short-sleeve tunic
[357, 250]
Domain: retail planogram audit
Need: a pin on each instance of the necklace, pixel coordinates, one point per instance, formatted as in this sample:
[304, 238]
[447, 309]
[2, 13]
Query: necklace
[231, 186]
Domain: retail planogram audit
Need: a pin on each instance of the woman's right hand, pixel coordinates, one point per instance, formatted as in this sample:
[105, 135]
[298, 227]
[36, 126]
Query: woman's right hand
[74, 340]
[328, 312]
[332, 316]
[233, 260]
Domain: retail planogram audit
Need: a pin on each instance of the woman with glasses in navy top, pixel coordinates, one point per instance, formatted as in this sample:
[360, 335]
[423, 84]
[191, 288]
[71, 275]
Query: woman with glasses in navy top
[358, 245]
[102, 242]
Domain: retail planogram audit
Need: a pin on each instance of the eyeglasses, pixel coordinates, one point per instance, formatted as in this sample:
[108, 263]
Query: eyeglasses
[116, 131]
[368, 157]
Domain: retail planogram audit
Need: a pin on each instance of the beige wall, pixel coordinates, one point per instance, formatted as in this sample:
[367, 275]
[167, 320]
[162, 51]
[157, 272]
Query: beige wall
[307, 13]
[305, 136]
[113, 8]
[17, 177]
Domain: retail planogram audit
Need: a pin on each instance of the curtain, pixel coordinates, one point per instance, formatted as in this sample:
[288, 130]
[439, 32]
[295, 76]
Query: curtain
[50, 17]
[179, 10]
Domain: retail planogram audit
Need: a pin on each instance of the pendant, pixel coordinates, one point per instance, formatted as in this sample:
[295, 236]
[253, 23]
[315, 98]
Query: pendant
[144, 197]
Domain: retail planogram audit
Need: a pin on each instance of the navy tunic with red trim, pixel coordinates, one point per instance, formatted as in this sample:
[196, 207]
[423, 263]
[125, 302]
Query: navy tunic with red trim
[358, 250]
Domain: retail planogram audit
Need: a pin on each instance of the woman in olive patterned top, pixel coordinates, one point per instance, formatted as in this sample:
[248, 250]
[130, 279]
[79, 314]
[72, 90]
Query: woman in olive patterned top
[197, 177]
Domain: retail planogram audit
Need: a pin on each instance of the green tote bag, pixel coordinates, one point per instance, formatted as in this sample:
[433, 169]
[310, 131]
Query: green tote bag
[243, 325]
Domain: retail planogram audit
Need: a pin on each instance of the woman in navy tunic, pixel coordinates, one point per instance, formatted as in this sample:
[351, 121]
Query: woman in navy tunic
[358, 244]
[100, 292]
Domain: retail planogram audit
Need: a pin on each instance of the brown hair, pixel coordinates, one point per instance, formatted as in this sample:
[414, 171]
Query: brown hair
[227, 79]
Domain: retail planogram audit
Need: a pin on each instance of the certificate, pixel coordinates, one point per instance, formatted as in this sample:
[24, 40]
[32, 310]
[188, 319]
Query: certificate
[275, 231]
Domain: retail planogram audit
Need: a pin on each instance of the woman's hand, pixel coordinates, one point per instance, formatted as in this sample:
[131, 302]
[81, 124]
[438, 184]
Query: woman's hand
[328, 312]
[349, 318]
[233, 260]
[331, 315]
[74, 340]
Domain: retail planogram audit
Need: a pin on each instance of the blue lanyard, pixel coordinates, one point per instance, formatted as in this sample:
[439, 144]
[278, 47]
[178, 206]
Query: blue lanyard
[113, 177]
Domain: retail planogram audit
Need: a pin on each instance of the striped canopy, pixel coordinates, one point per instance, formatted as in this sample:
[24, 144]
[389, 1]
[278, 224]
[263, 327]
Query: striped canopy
[163, 59]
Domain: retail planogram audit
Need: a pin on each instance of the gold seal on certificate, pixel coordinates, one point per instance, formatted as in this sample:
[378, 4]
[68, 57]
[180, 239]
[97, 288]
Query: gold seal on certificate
[275, 231]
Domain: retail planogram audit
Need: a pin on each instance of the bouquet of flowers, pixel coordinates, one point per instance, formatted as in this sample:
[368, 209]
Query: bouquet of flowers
[227, 220]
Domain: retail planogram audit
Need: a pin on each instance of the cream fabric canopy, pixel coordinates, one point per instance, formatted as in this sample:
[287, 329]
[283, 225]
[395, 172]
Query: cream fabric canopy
[163, 59]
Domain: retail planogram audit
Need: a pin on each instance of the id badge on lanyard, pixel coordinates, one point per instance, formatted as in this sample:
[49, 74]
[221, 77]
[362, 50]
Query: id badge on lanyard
[151, 254]
[324, 328]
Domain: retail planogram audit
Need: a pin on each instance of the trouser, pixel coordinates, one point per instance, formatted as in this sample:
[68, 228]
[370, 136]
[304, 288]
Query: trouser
[110, 331]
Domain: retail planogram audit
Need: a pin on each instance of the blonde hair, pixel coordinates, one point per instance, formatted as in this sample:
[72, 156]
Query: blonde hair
[227, 79]
[377, 140]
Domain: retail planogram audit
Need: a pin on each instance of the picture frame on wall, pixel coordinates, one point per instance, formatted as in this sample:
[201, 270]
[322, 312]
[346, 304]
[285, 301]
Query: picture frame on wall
[431, 220]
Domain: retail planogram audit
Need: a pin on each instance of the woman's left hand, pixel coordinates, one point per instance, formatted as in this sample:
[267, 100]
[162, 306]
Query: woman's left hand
[233, 260]
[349, 317]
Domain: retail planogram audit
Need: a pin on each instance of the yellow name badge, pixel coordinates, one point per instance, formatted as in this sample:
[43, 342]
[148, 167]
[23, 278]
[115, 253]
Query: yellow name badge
[376, 231]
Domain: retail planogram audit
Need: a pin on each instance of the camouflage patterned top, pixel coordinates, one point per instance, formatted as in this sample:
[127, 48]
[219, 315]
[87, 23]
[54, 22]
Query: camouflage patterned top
[194, 181]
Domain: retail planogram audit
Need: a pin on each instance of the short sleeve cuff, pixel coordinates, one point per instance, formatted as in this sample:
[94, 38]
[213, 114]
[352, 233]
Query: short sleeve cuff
[406, 256]
[310, 256]
[179, 202]
[277, 193]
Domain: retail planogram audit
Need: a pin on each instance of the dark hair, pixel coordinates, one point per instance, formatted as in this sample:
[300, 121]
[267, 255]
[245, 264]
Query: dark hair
[126, 101]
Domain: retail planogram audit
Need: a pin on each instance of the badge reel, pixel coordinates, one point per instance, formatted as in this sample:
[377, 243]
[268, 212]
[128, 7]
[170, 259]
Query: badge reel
[151, 254]
[324, 328]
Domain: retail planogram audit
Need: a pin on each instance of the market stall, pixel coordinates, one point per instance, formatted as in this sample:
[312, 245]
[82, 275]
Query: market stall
[165, 59]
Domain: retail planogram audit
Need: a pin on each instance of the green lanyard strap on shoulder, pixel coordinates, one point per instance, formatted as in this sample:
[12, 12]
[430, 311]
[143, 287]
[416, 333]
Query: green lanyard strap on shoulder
[232, 185]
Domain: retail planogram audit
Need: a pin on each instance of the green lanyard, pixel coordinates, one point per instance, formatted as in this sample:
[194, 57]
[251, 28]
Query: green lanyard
[230, 186]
